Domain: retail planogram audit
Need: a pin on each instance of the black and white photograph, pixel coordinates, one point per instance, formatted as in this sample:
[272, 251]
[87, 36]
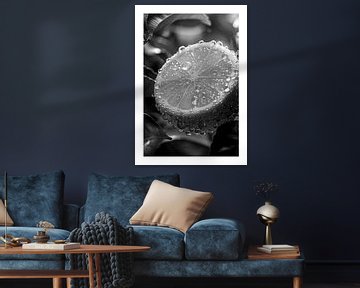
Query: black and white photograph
[190, 85]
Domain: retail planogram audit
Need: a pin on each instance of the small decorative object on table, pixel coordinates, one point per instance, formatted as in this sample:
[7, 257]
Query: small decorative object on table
[11, 241]
[268, 213]
[41, 236]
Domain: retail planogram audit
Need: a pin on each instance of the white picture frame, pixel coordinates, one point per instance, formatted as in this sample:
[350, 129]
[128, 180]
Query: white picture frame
[140, 158]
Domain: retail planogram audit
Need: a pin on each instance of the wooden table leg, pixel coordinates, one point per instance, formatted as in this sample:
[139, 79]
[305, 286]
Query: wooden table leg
[98, 270]
[91, 270]
[68, 282]
[57, 283]
[297, 282]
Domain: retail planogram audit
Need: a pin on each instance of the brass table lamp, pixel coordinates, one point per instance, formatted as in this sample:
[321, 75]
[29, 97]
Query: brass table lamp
[268, 214]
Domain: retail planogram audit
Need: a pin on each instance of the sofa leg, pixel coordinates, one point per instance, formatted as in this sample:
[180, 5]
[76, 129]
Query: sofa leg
[297, 282]
[57, 283]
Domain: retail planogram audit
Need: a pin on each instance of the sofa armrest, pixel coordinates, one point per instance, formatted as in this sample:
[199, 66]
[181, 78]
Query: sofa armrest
[215, 239]
[71, 216]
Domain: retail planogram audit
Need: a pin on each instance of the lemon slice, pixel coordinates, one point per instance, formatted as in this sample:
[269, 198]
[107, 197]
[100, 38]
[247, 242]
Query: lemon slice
[196, 89]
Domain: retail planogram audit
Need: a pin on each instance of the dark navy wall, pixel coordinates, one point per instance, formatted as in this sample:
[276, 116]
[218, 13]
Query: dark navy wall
[67, 102]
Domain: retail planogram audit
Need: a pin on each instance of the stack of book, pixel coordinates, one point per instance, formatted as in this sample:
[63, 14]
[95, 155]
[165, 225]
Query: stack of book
[274, 252]
[51, 246]
[279, 249]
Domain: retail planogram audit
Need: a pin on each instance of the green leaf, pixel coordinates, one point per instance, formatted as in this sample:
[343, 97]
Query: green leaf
[155, 23]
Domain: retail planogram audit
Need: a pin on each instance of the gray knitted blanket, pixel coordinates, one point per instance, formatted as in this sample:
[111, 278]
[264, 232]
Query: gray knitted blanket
[116, 268]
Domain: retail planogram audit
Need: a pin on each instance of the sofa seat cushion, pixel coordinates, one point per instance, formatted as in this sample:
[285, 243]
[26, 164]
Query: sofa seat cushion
[29, 232]
[119, 196]
[166, 243]
[214, 239]
[35, 198]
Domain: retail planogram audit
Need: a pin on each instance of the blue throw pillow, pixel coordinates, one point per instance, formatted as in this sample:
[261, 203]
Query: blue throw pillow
[35, 198]
[119, 196]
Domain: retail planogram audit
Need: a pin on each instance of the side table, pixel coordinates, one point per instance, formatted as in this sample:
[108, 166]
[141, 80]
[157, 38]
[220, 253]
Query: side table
[288, 260]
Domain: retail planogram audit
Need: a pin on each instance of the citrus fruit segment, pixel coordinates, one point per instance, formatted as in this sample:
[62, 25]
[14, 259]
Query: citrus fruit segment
[196, 89]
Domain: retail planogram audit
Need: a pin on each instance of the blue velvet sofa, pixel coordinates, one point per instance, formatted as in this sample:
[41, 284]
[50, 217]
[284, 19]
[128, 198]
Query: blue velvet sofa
[32, 199]
[210, 248]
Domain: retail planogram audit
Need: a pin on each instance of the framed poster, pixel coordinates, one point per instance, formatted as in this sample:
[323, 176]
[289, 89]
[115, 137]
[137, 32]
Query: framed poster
[190, 85]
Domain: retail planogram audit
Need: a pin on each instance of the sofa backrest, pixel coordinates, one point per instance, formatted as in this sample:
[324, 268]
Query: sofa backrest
[70, 219]
[119, 196]
[35, 198]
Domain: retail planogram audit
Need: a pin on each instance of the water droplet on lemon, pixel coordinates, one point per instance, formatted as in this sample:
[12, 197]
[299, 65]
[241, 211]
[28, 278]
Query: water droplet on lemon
[198, 87]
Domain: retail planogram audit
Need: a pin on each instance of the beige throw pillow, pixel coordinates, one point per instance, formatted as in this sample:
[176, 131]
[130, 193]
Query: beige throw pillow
[9, 221]
[170, 206]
